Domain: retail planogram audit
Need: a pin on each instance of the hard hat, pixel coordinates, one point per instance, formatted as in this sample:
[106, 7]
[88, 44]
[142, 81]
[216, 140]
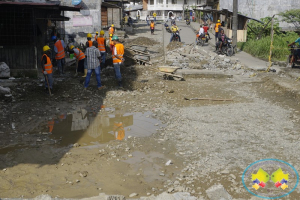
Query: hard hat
[115, 37]
[89, 35]
[46, 48]
[53, 37]
[218, 20]
[72, 46]
[112, 25]
[97, 32]
[110, 35]
[101, 32]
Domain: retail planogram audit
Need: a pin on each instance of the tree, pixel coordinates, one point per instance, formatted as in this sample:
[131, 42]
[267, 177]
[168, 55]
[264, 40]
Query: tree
[292, 17]
[255, 28]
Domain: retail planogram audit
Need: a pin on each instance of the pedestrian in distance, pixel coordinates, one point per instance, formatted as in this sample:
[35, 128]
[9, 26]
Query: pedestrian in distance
[118, 60]
[154, 16]
[59, 49]
[47, 68]
[93, 63]
[89, 42]
[152, 25]
[102, 48]
[147, 20]
[111, 29]
[80, 59]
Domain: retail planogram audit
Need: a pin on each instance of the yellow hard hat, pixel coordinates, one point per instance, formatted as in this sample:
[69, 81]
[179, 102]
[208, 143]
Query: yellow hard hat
[72, 46]
[89, 35]
[101, 32]
[218, 20]
[110, 35]
[46, 48]
[112, 25]
[97, 32]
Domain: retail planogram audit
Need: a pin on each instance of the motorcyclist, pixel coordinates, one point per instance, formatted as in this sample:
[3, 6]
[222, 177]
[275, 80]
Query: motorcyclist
[221, 39]
[206, 28]
[174, 29]
[297, 51]
[201, 31]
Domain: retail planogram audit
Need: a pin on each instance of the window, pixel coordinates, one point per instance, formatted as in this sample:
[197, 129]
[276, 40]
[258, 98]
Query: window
[174, 1]
[151, 2]
[186, 1]
[159, 1]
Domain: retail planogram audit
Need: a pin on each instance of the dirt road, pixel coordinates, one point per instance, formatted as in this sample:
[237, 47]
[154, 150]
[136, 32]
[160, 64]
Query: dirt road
[147, 139]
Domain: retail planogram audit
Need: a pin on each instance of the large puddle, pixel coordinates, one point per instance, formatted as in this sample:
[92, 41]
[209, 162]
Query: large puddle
[92, 126]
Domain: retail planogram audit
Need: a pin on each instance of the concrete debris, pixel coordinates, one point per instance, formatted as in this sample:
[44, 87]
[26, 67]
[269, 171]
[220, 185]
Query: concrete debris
[133, 195]
[4, 91]
[217, 192]
[4, 70]
[169, 163]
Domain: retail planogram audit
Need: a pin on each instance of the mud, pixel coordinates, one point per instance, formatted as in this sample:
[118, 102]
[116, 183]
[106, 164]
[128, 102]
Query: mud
[174, 45]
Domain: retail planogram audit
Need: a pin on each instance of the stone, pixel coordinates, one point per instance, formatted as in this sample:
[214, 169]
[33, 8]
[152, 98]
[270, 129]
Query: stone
[4, 91]
[133, 195]
[4, 70]
[76, 145]
[165, 196]
[218, 192]
[170, 190]
[227, 60]
[83, 174]
[225, 171]
[115, 197]
[43, 197]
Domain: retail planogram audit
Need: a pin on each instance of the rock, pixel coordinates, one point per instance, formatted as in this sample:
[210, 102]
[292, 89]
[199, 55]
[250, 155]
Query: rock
[133, 195]
[83, 174]
[76, 145]
[227, 60]
[115, 197]
[162, 174]
[226, 171]
[165, 196]
[170, 190]
[4, 70]
[218, 192]
[169, 163]
[183, 195]
[43, 197]
[4, 91]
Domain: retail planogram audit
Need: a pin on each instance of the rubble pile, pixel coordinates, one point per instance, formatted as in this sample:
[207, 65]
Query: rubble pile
[141, 41]
[193, 57]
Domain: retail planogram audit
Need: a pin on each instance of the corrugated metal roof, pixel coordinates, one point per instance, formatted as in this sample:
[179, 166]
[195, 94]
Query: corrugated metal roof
[46, 5]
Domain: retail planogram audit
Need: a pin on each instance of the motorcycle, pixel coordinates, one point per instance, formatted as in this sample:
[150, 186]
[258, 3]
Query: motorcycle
[227, 47]
[176, 36]
[202, 40]
[296, 60]
[187, 22]
[168, 29]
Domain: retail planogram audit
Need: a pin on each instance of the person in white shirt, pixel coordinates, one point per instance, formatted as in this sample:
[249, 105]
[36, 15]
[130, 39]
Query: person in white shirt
[201, 31]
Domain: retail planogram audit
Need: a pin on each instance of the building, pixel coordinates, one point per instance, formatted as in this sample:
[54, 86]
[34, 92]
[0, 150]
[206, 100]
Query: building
[259, 9]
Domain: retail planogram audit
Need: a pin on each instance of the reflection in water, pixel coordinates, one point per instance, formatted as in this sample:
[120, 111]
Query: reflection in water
[96, 125]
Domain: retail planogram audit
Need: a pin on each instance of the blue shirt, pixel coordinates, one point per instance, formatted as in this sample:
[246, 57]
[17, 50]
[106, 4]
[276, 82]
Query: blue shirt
[63, 44]
[298, 41]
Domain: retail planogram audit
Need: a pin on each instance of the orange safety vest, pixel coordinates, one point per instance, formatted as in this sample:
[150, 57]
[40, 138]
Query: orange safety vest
[60, 50]
[51, 125]
[110, 41]
[120, 52]
[90, 43]
[217, 27]
[152, 25]
[48, 66]
[96, 37]
[111, 30]
[79, 56]
[101, 44]
[119, 130]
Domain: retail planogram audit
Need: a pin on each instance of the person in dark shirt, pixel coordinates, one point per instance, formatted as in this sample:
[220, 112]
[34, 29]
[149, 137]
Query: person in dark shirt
[221, 39]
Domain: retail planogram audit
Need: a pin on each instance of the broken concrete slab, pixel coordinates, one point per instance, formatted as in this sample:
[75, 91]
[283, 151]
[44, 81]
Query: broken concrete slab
[218, 192]
[4, 70]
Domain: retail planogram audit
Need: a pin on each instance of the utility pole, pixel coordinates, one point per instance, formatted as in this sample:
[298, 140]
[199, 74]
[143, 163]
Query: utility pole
[122, 15]
[235, 22]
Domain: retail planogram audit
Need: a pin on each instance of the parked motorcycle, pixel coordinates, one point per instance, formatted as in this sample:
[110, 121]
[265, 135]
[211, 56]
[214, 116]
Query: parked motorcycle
[296, 60]
[227, 47]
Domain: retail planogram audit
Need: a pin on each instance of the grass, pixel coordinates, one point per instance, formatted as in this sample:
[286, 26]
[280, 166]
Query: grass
[261, 48]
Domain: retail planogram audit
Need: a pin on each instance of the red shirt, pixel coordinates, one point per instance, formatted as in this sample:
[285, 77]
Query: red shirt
[205, 28]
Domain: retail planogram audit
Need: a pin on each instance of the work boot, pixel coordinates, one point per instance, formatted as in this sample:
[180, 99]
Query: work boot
[120, 84]
[85, 73]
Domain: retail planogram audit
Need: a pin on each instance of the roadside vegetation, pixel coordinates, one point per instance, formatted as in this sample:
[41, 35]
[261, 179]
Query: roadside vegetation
[259, 39]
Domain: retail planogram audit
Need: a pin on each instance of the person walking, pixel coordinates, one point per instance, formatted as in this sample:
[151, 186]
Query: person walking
[152, 25]
[111, 29]
[154, 16]
[93, 63]
[80, 59]
[217, 27]
[117, 55]
[47, 68]
[89, 42]
[147, 20]
[59, 49]
[102, 48]
[96, 36]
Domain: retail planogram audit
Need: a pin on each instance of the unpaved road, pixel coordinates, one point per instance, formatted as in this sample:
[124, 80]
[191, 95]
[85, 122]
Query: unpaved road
[208, 142]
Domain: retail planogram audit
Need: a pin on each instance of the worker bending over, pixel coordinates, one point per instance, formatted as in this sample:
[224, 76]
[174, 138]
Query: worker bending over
[80, 59]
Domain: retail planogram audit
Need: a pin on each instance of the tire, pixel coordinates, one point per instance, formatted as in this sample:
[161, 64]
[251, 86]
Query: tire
[202, 42]
[224, 50]
[229, 51]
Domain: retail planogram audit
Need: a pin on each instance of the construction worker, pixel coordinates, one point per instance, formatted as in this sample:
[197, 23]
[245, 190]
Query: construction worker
[59, 49]
[102, 48]
[118, 59]
[152, 25]
[96, 36]
[111, 29]
[111, 43]
[154, 16]
[80, 59]
[217, 27]
[47, 68]
[93, 63]
[89, 42]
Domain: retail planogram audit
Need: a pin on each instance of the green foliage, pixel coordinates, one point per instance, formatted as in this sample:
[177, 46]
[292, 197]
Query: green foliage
[261, 48]
[256, 28]
[291, 16]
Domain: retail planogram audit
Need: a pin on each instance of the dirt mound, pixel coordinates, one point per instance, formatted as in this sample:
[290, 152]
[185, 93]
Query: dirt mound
[142, 41]
[174, 45]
